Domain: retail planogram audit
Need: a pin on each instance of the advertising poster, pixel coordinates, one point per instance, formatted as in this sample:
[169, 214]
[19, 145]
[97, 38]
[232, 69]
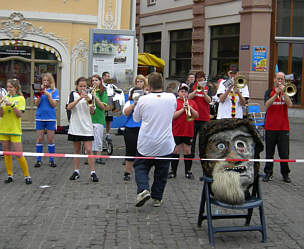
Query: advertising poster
[114, 53]
[259, 59]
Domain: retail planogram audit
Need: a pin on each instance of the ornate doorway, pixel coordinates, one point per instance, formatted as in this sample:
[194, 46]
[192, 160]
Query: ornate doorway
[27, 63]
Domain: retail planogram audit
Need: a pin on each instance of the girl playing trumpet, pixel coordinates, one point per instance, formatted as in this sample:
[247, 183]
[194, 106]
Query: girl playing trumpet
[11, 109]
[81, 126]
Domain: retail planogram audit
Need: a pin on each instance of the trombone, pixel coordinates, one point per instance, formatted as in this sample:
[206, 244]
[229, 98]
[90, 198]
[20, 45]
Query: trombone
[188, 110]
[290, 89]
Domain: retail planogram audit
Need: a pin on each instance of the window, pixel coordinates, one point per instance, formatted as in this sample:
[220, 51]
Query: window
[180, 53]
[290, 50]
[224, 49]
[152, 43]
[290, 18]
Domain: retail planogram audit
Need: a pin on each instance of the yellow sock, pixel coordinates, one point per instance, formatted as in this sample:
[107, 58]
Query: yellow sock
[23, 165]
[8, 164]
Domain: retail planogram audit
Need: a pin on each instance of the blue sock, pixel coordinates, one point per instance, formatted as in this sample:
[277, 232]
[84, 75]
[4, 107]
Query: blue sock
[51, 149]
[39, 149]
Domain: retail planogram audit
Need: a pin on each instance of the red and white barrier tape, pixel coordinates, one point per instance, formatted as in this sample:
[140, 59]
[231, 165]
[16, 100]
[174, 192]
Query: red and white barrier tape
[32, 154]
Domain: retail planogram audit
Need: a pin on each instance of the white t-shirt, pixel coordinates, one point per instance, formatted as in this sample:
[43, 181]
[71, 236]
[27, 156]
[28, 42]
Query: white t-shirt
[155, 110]
[224, 108]
[81, 121]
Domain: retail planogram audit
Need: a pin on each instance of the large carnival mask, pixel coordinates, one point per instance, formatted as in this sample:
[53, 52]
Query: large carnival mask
[233, 139]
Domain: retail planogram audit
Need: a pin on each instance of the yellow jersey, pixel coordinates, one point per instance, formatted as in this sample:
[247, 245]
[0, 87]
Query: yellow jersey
[10, 124]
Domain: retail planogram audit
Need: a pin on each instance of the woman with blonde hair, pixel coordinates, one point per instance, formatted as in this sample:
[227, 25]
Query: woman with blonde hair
[46, 101]
[11, 110]
[140, 81]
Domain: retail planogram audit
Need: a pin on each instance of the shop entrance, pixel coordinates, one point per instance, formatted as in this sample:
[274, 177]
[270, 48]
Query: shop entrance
[27, 64]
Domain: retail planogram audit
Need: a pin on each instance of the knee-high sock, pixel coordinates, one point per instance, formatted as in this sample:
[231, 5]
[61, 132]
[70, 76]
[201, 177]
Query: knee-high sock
[8, 164]
[188, 163]
[39, 149]
[174, 163]
[51, 149]
[23, 165]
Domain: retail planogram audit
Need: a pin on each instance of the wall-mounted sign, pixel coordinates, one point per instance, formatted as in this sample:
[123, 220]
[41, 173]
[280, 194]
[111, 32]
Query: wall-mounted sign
[245, 47]
[259, 59]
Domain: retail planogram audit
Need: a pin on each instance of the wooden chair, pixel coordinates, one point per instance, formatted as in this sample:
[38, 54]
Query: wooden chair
[254, 202]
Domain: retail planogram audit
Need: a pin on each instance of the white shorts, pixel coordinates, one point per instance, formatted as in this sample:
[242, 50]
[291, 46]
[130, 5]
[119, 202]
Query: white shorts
[98, 136]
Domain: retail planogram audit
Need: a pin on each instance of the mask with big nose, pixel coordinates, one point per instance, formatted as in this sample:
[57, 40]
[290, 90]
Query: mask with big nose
[231, 179]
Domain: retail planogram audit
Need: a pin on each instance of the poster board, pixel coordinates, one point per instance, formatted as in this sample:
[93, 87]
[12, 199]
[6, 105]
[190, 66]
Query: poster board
[259, 59]
[113, 51]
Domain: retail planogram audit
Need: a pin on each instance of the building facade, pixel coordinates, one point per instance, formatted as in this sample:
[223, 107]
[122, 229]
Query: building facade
[261, 36]
[53, 36]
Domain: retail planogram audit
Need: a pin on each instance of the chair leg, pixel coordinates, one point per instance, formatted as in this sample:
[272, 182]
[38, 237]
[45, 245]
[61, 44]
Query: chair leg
[209, 217]
[202, 208]
[248, 218]
[263, 223]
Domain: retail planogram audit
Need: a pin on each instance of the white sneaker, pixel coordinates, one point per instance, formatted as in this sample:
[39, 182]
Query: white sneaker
[156, 203]
[142, 197]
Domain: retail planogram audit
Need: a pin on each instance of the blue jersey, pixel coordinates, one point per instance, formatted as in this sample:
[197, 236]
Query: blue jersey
[130, 123]
[45, 112]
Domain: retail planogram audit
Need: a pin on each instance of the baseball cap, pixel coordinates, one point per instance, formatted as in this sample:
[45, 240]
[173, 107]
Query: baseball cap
[233, 68]
[183, 86]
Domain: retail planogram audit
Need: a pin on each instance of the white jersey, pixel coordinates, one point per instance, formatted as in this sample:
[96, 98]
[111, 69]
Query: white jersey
[224, 108]
[155, 110]
[81, 121]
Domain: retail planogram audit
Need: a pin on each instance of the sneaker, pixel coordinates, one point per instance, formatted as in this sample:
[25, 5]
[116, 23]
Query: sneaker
[286, 179]
[75, 176]
[94, 177]
[189, 175]
[28, 180]
[100, 161]
[171, 175]
[9, 179]
[267, 178]
[52, 164]
[38, 164]
[142, 197]
[127, 177]
[156, 203]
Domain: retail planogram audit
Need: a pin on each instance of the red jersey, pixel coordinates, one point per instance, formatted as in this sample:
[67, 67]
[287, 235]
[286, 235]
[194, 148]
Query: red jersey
[276, 114]
[202, 104]
[180, 126]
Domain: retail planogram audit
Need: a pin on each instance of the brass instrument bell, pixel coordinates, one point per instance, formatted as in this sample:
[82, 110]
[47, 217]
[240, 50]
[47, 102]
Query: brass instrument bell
[290, 89]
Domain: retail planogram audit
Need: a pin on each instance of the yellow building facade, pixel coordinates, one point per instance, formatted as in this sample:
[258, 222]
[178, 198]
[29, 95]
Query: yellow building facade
[38, 36]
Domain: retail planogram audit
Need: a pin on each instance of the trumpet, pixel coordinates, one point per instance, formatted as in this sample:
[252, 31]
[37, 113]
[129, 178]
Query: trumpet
[88, 99]
[290, 89]
[187, 110]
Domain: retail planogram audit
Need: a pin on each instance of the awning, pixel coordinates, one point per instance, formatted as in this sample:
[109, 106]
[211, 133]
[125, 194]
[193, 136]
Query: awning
[31, 44]
[147, 59]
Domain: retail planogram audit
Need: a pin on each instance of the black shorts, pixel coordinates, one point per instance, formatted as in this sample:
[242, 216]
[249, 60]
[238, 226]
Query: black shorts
[131, 135]
[183, 140]
[76, 138]
[109, 118]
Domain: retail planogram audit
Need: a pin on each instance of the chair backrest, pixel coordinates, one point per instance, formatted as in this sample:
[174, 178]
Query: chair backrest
[254, 108]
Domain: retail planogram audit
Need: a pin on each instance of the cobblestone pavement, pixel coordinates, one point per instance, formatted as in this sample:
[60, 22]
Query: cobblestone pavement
[83, 214]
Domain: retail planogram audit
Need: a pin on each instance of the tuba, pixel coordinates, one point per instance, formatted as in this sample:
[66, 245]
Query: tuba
[290, 89]
[188, 110]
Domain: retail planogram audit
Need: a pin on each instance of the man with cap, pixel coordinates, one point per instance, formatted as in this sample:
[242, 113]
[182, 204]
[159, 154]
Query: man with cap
[231, 99]
[183, 128]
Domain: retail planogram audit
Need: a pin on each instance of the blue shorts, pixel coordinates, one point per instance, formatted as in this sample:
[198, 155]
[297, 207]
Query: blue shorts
[46, 125]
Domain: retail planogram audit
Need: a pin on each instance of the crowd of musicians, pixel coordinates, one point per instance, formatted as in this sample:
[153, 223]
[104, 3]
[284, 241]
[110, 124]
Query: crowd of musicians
[158, 123]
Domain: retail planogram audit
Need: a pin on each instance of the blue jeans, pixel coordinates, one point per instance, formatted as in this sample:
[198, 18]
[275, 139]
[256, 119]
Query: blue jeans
[142, 168]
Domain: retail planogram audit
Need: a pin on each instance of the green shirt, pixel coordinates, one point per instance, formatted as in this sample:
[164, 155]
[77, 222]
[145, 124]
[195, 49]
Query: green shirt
[99, 115]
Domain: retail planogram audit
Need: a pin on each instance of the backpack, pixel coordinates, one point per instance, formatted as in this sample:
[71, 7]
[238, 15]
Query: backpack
[71, 99]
